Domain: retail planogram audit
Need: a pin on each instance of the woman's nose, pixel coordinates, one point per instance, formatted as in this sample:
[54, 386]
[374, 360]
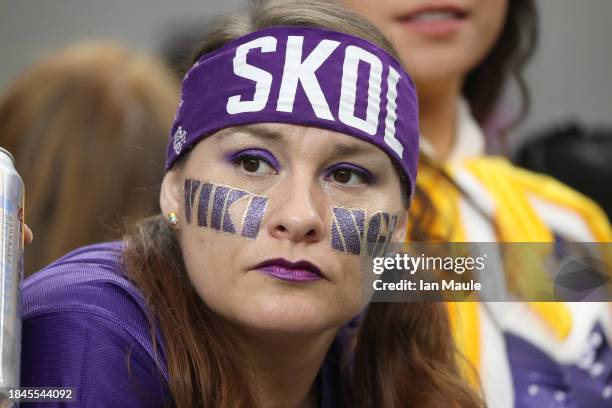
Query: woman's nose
[297, 214]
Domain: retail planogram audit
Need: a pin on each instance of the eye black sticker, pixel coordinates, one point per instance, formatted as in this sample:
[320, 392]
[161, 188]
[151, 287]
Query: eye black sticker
[352, 232]
[214, 204]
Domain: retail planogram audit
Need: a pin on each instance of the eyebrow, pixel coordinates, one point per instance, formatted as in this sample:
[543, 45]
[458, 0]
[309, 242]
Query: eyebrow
[353, 149]
[276, 136]
[259, 132]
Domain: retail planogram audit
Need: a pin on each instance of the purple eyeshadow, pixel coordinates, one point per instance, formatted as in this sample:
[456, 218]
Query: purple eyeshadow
[367, 176]
[254, 153]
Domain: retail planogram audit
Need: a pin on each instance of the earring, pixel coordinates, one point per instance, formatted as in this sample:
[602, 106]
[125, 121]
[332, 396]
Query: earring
[173, 218]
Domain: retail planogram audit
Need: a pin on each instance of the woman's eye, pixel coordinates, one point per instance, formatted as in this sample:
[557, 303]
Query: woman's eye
[255, 165]
[349, 177]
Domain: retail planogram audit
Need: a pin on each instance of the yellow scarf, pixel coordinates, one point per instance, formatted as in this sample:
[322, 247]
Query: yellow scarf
[515, 220]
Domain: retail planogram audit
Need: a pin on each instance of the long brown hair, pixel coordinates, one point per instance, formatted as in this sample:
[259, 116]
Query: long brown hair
[402, 353]
[484, 85]
[88, 129]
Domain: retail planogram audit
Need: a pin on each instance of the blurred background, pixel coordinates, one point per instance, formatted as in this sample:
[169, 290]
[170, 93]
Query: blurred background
[569, 76]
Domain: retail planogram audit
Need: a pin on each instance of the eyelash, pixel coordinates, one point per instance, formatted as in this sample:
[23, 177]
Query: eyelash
[364, 174]
[259, 154]
[267, 157]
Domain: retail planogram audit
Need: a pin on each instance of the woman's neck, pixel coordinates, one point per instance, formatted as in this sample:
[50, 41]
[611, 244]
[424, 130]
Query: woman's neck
[285, 368]
[438, 114]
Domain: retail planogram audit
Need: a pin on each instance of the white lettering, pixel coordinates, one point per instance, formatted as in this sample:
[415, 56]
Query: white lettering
[263, 79]
[296, 70]
[390, 139]
[378, 266]
[353, 55]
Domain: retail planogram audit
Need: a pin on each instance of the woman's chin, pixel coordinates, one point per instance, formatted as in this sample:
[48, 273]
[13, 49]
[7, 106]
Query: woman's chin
[290, 317]
[434, 66]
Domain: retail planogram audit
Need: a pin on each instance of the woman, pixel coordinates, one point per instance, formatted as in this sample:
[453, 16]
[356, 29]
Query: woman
[243, 293]
[461, 55]
[80, 109]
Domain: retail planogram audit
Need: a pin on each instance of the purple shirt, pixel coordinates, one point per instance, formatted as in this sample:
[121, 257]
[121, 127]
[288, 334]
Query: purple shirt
[539, 381]
[85, 326]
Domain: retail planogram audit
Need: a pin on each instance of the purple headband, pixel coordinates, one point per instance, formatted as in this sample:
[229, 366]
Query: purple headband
[305, 76]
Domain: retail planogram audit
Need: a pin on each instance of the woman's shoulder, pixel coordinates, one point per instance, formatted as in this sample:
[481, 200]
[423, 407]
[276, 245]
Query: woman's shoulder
[87, 325]
[90, 279]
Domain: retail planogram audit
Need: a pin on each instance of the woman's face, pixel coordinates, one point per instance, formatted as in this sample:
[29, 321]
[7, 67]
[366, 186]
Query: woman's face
[437, 40]
[271, 220]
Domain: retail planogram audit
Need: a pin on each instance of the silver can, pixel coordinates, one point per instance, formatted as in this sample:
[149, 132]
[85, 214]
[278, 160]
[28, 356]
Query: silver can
[11, 269]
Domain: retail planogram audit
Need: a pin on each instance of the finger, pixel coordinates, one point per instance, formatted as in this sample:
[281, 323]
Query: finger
[28, 235]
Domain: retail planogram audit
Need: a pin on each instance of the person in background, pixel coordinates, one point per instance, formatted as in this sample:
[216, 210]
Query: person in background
[461, 55]
[87, 127]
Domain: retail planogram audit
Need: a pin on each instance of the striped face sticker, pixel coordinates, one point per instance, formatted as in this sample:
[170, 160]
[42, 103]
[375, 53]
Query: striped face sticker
[224, 209]
[353, 232]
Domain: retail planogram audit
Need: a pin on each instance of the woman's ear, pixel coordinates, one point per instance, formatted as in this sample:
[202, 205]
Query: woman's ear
[171, 194]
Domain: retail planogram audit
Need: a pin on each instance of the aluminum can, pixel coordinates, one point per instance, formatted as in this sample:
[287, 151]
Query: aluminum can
[11, 269]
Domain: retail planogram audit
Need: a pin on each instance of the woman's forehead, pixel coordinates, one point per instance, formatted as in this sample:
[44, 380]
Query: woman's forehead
[304, 139]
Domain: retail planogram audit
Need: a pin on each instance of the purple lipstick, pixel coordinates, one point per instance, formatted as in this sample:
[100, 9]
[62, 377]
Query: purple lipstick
[297, 272]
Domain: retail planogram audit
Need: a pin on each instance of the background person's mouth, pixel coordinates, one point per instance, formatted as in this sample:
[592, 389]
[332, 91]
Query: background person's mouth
[435, 20]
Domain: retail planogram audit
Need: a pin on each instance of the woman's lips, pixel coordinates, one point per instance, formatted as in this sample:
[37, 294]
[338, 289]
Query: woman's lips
[282, 269]
[435, 21]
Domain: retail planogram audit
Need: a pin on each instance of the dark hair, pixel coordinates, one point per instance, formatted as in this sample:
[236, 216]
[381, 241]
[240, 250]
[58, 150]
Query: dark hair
[403, 353]
[485, 83]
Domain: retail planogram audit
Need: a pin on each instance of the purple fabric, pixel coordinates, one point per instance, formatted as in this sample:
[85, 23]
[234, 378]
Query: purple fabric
[540, 382]
[305, 76]
[85, 326]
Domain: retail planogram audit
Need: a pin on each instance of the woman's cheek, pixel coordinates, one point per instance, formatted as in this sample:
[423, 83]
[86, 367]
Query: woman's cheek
[490, 17]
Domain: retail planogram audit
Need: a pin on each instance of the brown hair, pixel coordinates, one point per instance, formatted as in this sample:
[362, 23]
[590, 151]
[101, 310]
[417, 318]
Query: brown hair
[403, 353]
[88, 129]
[484, 85]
